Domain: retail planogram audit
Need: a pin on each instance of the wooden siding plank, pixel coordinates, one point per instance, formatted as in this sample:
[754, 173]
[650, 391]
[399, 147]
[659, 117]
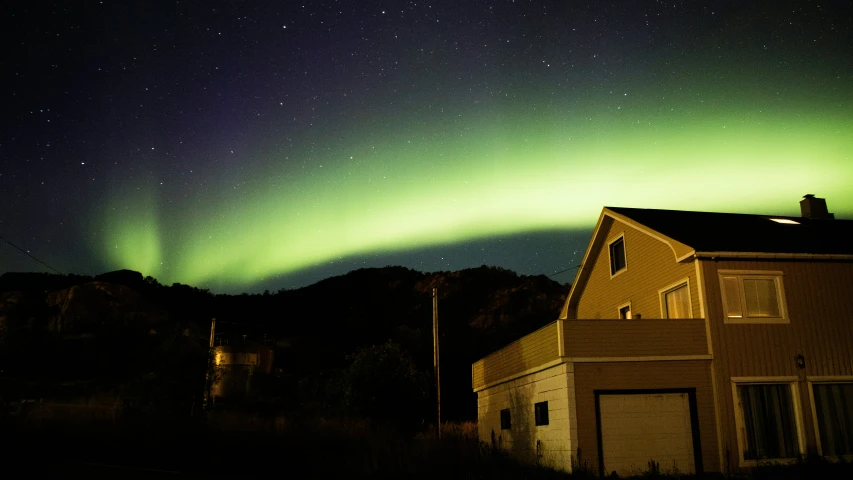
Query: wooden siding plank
[651, 266]
[644, 376]
[819, 302]
[646, 337]
[533, 350]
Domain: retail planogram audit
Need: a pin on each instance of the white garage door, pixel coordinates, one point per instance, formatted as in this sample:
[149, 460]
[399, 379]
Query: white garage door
[637, 428]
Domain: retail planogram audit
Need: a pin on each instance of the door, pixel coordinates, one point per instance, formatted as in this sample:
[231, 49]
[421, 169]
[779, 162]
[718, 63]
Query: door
[637, 428]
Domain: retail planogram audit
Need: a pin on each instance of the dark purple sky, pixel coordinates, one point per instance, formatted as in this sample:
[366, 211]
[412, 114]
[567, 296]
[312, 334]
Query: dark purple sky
[252, 145]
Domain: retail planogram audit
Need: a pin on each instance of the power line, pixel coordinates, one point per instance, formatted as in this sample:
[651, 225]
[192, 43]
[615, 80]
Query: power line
[30, 255]
[564, 271]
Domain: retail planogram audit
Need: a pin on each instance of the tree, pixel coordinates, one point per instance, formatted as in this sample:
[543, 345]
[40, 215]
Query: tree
[383, 384]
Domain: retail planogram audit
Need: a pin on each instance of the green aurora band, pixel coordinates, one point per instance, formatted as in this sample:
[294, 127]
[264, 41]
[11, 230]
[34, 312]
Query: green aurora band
[387, 186]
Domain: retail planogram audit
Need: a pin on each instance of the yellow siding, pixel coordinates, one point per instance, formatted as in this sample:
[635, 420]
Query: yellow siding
[538, 348]
[628, 338]
[651, 266]
[819, 301]
[644, 376]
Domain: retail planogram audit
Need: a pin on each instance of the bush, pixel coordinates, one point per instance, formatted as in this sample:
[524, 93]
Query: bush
[383, 384]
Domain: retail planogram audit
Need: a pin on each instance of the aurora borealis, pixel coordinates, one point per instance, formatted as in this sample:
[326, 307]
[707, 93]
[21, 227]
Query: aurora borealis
[243, 145]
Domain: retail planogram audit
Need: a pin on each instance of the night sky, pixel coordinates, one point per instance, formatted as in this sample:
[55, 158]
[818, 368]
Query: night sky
[251, 145]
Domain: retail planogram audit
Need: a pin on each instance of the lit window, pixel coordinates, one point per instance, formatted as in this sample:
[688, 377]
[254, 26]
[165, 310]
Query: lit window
[834, 411]
[753, 297]
[540, 411]
[617, 256]
[506, 420]
[767, 426]
[675, 300]
[786, 221]
[625, 312]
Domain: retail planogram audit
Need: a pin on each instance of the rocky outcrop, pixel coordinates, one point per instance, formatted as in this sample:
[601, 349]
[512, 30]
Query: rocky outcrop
[77, 309]
[86, 307]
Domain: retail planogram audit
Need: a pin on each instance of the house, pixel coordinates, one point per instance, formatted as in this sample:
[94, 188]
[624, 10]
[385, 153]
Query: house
[705, 342]
[236, 366]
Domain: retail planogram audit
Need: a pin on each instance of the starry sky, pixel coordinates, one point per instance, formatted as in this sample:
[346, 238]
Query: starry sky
[250, 145]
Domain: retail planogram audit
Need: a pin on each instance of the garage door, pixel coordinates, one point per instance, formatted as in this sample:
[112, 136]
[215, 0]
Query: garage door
[638, 427]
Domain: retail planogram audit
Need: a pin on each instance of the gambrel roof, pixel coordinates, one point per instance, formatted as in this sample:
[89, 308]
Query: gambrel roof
[719, 235]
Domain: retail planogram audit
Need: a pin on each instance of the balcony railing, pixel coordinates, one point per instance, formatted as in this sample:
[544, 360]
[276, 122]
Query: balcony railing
[634, 338]
[593, 340]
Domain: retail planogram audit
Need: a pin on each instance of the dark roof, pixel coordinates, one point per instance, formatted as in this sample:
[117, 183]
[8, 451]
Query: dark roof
[736, 232]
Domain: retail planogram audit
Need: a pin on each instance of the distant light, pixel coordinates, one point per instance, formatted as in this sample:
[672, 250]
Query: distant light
[786, 221]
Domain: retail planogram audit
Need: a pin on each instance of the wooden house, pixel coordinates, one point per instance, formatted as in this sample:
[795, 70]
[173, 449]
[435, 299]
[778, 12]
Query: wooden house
[701, 342]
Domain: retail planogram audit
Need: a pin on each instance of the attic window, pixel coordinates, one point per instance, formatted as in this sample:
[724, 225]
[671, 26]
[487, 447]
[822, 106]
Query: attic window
[786, 221]
[618, 262]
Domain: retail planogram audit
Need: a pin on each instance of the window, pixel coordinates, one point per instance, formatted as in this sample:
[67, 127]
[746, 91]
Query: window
[833, 404]
[506, 420]
[617, 256]
[541, 412]
[767, 427]
[675, 300]
[753, 297]
[625, 312]
[786, 221]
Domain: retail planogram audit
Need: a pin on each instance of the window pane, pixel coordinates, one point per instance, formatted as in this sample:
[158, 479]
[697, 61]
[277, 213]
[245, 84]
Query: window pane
[541, 413]
[760, 296]
[617, 256]
[506, 420]
[677, 303]
[834, 405]
[768, 431]
[733, 309]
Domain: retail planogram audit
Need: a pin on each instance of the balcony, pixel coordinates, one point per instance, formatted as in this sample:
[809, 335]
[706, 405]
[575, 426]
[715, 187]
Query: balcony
[633, 338]
[593, 341]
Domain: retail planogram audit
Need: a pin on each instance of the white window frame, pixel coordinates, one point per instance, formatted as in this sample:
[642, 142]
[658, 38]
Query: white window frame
[820, 379]
[630, 310]
[684, 282]
[610, 260]
[775, 275]
[792, 383]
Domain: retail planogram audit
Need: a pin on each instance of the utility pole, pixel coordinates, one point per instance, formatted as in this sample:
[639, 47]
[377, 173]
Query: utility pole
[435, 356]
[207, 376]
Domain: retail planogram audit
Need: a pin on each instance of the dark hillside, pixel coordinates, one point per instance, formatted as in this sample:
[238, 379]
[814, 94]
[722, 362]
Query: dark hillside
[121, 328]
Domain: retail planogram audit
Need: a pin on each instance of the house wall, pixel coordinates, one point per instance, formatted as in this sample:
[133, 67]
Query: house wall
[819, 303]
[652, 375]
[651, 266]
[519, 396]
[530, 351]
[630, 338]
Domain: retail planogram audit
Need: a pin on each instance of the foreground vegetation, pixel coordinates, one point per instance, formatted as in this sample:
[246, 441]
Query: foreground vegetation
[238, 445]
[52, 439]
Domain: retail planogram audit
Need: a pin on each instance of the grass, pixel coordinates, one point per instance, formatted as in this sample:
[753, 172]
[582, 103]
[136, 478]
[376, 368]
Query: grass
[233, 444]
[240, 445]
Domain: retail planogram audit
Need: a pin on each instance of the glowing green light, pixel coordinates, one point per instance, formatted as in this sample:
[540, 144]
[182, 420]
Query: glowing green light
[407, 186]
[132, 237]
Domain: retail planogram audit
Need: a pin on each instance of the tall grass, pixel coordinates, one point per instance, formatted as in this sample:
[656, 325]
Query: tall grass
[234, 444]
[237, 444]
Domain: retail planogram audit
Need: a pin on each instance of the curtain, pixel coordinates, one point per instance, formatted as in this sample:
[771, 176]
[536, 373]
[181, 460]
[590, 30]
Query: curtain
[760, 295]
[769, 429]
[678, 303]
[733, 308]
[834, 405]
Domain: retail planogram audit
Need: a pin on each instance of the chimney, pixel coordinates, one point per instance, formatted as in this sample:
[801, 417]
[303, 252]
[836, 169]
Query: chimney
[814, 208]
